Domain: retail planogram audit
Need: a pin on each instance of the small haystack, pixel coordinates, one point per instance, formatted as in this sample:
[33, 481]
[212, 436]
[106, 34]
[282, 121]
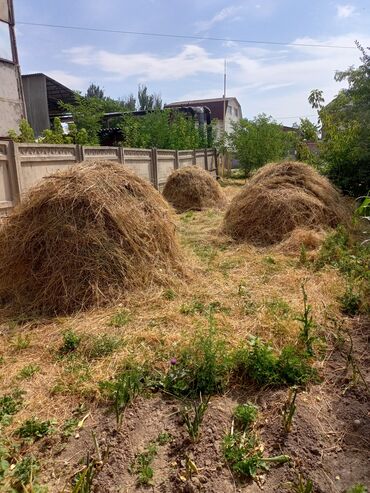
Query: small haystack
[309, 239]
[279, 198]
[193, 189]
[83, 237]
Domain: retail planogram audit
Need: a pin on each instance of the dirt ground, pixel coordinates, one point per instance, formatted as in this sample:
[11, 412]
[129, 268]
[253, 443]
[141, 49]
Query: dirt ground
[261, 293]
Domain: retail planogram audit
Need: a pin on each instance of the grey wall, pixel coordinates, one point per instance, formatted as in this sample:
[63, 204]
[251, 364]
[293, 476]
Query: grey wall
[35, 95]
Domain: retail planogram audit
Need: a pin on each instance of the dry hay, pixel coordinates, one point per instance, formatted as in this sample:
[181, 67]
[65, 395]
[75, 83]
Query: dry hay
[310, 239]
[193, 188]
[279, 198]
[83, 237]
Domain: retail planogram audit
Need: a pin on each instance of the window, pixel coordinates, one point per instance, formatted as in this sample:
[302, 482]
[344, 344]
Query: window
[229, 110]
[236, 112]
[5, 43]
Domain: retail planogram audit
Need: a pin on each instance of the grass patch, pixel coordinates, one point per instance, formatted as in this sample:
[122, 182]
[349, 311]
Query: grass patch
[120, 319]
[71, 342]
[101, 346]
[28, 371]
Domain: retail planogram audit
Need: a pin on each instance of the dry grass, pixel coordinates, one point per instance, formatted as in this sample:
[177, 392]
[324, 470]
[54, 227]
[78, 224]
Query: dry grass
[260, 287]
[83, 237]
[280, 198]
[193, 188]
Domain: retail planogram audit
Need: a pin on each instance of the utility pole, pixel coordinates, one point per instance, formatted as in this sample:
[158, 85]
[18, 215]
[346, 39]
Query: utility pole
[224, 157]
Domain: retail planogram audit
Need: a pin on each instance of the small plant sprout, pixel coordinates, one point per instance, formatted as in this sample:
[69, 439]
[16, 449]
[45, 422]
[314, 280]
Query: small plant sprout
[302, 485]
[21, 342]
[193, 416]
[71, 341]
[141, 466]
[308, 324]
[289, 409]
[303, 255]
[28, 371]
[34, 429]
[169, 294]
[358, 488]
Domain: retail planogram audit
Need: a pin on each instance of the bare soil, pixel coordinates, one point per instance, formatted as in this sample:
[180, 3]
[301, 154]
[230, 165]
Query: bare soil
[328, 442]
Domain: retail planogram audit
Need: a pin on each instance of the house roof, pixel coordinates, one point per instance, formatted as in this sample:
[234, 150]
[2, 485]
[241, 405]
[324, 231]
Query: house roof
[216, 105]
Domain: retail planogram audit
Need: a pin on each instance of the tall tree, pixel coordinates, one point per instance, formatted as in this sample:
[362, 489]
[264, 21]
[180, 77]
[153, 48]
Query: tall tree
[94, 91]
[148, 101]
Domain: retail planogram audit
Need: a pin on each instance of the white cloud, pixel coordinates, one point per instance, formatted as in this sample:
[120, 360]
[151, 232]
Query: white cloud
[71, 81]
[344, 11]
[191, 60]
[225, 13]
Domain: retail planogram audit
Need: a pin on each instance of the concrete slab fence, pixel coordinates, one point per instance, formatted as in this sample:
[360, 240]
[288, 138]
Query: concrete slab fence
[24, 165]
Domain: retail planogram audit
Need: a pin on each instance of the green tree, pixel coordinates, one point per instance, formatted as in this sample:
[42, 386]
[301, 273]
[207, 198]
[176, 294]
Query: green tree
[25, 134]
[346, 129]
[258, 141]
[94, 91]
[307, 130]
[148, 101]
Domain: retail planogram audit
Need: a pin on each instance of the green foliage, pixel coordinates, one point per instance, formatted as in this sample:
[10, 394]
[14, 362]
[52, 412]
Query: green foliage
[120, 318]
[127, 384]
[71, 342]
[346, 128]
[148, 101]
[245, 415]
[302, 485]
[10, 404]
[165, 129]
[193, 416]
[258, 363]
[28, 371]
[307, 130]
[83, 481]
[21, 342]
[26, 134]
[201, 368]
[35, 429]
[94, 91]
[169, 294]
[259, 141]
[350, 301]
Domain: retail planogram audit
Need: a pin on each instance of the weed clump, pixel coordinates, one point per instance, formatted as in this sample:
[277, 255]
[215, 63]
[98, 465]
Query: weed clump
[84, 236]
[193, 188]
[279, 198]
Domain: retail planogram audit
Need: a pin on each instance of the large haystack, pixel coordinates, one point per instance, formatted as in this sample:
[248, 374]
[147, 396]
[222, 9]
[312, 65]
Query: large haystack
[193, 188]
[84, 236]
[279, 198]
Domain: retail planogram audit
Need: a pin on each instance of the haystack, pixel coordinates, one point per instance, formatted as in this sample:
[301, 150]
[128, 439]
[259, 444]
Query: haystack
[279, 198]
[83, 237]
[193, 188]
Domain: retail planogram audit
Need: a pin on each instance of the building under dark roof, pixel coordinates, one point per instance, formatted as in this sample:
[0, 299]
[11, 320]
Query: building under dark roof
[42, 95]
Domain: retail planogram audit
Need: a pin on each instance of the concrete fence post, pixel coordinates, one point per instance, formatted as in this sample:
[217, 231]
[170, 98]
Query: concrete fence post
[80, 153]
[121, 155]
[194, 157]
[14, 171]
[206, 159]
[176, 159]
[154, 168]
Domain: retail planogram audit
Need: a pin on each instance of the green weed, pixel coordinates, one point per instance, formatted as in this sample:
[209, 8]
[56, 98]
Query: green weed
[193, 416]
[187, 217]
[243, 452]
[302, 485]
[10, 404]
[164, 438]
[34, 429]
[120, 318]
[303, 255]
[350, 301]
[28, 371]
[202, 367]
[278, 308]
[245, 415]
[83, 481]
[24, 475]
[141, 466]
[308, 325]
[69, 427]
[197, 307]
[71, 342]
[124, 388]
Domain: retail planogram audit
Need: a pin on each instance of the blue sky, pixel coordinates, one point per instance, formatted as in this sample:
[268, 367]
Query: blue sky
[272, 79]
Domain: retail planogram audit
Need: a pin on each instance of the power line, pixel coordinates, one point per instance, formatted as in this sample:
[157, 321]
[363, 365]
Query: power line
[185, 36]
[292, 117]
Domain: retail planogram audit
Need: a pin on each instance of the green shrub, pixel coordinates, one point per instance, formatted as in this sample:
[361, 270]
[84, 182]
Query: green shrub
[10, 404]
[245, 415]
[350, 302]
